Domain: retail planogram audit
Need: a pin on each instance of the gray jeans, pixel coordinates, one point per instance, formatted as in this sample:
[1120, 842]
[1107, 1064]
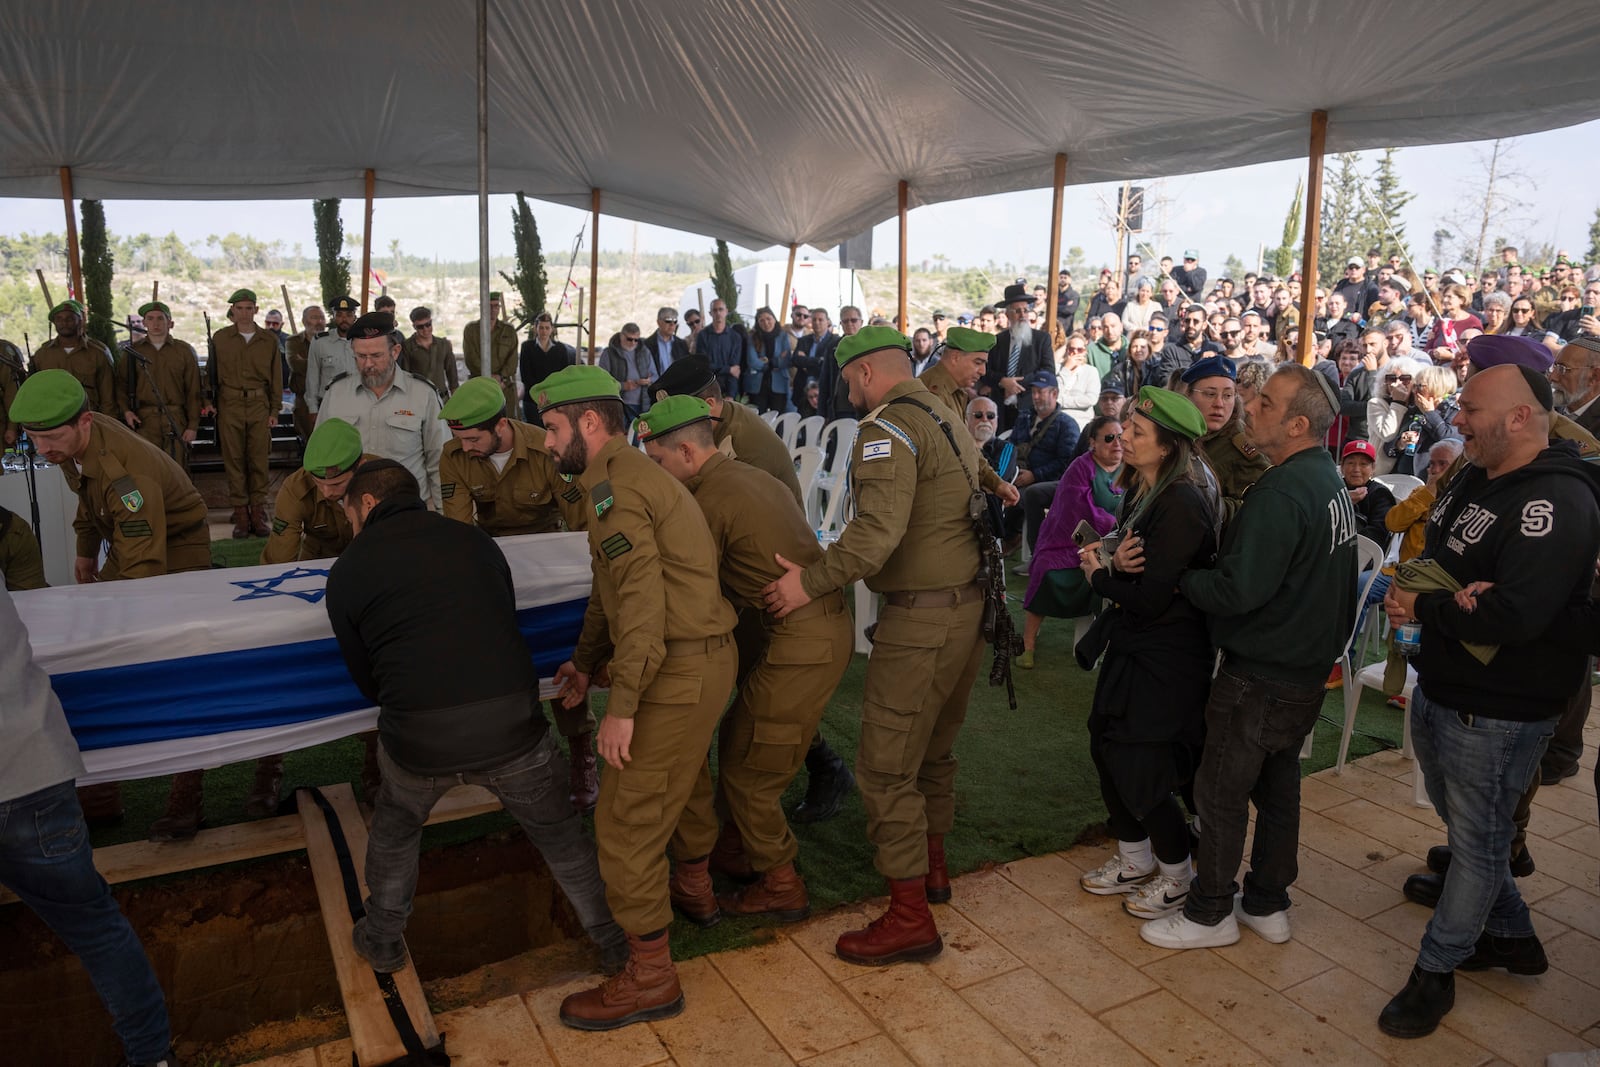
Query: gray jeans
[534, 790]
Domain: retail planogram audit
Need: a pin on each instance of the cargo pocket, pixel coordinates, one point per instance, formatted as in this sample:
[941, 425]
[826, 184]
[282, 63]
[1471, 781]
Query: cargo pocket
[886, 739]
[640, 799]
[774, 747]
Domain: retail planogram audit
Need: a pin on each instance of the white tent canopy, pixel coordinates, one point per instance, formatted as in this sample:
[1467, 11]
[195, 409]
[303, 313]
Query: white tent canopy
[761, 121]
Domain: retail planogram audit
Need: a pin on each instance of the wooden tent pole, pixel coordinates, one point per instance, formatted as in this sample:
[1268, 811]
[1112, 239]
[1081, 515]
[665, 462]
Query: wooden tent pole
[366, 244]
[1308, 260]
[72, 233]
[1057, 191]
[903, 197]
[788, 290]
[594, 270]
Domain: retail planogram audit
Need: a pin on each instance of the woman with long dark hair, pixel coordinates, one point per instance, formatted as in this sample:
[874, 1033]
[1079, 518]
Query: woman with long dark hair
[1146, 725]
[768, 357]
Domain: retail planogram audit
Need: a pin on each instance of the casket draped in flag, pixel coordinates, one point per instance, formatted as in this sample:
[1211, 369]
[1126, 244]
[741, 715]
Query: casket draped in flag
[189, 671]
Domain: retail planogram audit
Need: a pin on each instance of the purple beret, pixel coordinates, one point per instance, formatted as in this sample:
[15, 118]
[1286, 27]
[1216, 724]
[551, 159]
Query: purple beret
[1494, 350]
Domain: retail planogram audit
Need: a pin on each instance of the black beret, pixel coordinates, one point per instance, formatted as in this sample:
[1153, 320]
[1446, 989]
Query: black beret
[685, 377]
[372, 324]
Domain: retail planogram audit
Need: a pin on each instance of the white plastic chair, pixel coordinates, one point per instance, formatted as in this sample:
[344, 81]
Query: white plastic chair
[769, 417]
[785, 426]
[807, 464]
[1400, 485]
[837, 439]
[808, 431]
[1371, 554]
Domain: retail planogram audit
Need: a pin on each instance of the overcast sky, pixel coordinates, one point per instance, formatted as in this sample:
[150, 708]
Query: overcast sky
[1220, 213]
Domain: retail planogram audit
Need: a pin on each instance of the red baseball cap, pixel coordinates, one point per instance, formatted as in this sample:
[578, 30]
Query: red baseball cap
[1359, 448]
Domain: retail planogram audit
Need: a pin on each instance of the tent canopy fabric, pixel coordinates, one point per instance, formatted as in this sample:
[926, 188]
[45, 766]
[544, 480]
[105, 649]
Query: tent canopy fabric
[760, 121]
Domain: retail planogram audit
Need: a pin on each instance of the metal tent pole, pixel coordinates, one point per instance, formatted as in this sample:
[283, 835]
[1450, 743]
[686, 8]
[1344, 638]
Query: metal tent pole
[485, 324]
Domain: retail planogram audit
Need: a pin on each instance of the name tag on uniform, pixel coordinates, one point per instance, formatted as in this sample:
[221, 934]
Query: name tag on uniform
[875, 450]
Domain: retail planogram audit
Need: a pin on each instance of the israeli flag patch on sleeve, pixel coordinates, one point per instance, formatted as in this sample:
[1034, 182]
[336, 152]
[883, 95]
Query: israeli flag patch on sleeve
[875, 450]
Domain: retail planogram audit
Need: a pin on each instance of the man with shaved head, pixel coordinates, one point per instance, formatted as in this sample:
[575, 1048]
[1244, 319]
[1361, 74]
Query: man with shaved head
[1524, 514]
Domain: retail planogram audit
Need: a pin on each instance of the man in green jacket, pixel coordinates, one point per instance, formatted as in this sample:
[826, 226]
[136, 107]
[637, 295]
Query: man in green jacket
[1280, 603]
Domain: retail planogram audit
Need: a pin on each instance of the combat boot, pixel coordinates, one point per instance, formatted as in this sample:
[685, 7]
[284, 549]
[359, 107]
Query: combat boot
[646, 989]
[183, 817]
[728, 857]
[258, 520]
[780, 892]
[691, 893]
[828, 782]
[263, 799]
[101, 804]
[241, 523]
[905, 932]
[584, 781]
[938, 880]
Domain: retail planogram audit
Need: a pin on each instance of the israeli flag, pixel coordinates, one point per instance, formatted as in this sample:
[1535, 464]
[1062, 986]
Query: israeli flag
[191, 671]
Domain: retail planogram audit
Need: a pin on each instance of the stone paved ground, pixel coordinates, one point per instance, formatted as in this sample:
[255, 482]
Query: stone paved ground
[1035, 971]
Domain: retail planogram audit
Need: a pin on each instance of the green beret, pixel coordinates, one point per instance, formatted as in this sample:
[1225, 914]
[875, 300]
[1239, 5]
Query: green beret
[333, 448]
[963, 339]
[670, 414]
[242, 294]
[1172, 410]
[475, 403]
[494, 294]
[154, 305]
[68, 305]
[48, 399]
[573, 385]
[870, 339]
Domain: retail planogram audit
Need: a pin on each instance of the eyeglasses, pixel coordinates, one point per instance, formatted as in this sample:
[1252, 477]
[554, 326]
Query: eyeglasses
[848, 321]
[1076, 351]
[1522, 311]
[423, 325]
[986, 416]
[1108, 438]
[1564, 367]
[1232, 333]
[668, 322]
[1154, 328]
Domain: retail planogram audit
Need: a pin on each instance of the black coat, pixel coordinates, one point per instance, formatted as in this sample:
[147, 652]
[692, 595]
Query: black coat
[1034, 356]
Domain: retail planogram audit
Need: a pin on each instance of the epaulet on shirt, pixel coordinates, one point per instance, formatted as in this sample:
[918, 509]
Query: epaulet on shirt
[337, 378]
[1242, 443]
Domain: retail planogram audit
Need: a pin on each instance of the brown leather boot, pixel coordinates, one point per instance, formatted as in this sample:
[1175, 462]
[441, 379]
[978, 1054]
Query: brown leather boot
[690, 889]
[646, 989]
[101, 804]
[241, 523]
[183, 816]
[263, 799]
[585, 782]
[728, 857]
[781, 893]
[938, 880]
[905, 932]
[371, 772]
[258, 520]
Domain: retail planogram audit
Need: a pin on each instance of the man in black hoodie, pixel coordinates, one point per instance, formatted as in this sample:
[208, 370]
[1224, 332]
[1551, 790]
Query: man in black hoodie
[1525, 515]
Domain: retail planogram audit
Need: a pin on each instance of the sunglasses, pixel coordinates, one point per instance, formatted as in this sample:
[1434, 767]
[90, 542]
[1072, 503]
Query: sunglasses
[986, 416]
[669, 322]
[423, 325]
[1108, 438]
[1523, 311]
[1232, 333]
[630, 340]
[1077, 351]
[1397, 377]
[1157, 329]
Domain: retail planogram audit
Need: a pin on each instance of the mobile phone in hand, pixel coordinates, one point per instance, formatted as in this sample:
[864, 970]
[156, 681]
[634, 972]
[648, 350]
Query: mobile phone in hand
[1084, 534]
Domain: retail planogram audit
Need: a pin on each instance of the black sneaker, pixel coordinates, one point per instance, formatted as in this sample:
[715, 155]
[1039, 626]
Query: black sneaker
[1424, 889]
[1439, 861]
[1416, 1010]
[1519, 955]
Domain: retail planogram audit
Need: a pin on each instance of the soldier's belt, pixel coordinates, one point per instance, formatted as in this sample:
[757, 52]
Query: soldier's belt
[699, 646]
[935, 598]
[241, 394]
[831, 604]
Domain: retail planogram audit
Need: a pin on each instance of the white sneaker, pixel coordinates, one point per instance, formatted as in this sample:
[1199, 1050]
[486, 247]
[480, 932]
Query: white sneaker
[1160, 896]
[1273, 928]
[1179, 931]
[1116, 875]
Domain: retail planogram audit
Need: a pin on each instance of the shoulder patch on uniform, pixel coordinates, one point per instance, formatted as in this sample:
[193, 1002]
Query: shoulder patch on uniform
[135, 528]
[279, 525]
[615, 545]
[875, 450]
[897, 432]
[128, 493]
[447, 490]
[602, 499]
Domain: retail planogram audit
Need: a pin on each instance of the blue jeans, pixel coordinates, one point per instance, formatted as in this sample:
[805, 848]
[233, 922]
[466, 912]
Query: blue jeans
[535, 791]
[1476, 770]
[46, 860]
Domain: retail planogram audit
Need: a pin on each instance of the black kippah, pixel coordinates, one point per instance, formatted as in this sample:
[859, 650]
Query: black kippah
[1540, 386]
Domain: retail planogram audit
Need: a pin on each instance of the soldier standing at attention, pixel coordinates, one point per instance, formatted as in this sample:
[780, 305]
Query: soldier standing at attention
[84, 358]
[502, 353]
[159, 386]
[12, 371]
[135, 501]
[660, 633]
[299, 353]
[499, 473]
[913, 477]
[247, 381]
[428, 356]
[330, 356]
[784, 681]
[1235, 461]
[965, 360]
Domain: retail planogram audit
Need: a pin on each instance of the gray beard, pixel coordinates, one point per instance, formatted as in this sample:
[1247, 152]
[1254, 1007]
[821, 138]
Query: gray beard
[574, 459]
[984, 433]
[1022, 332]
[381, 380]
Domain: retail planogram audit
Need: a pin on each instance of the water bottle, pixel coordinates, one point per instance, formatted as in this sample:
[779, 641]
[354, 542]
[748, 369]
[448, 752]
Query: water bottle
[1408, 638]
[9, 462]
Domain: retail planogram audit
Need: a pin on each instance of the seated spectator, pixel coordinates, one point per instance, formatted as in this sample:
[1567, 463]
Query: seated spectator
[1147, 721]
[1136, 315]
[1110, 346]
[1447, 330]
[1044, 437]
[1372, 500]
[983, 423]
[1108, 299]
[1522, 323]
[1496, 312]
[1132, 370]
[1563, 322]
[1389, 412]
[1352, 382]
[1078, 379]
[808, 399]
[1088, 492]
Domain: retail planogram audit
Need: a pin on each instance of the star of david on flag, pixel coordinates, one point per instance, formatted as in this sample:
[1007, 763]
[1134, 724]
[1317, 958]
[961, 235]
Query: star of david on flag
[258, 588]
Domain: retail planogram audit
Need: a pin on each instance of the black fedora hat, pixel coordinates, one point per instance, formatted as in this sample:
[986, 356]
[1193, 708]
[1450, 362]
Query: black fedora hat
[1017, 293]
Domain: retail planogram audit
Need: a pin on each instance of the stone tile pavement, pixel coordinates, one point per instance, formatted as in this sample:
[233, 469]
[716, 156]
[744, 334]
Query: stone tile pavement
[1035, 971]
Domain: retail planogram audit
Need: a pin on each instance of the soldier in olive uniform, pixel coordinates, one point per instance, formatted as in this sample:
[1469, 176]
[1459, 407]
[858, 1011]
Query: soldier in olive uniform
[308, 520]
[21, 565]
[965, 359]
[784, 681]
[499, 473]
[158, 386]
[1234, 460]
[86, 359]
[247, 382]
[502, 353]
[298, 351]
[134, 501]
[429, 356]
[12, 371]
[660, 634]
[912, 539]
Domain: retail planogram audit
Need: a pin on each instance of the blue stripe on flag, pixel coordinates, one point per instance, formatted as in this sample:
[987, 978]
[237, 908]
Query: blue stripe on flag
[194, 696]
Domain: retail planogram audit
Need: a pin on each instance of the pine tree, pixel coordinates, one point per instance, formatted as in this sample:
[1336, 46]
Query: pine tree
[1593, 257]
[1283, 256]
[97, 270]
[1385, 196]
[334, 264]
[529, 279]
[722, 282]
[1341, 206]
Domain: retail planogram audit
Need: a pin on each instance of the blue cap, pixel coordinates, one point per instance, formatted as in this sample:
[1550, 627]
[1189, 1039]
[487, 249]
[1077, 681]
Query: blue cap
[1042, 379]
[1212, 366]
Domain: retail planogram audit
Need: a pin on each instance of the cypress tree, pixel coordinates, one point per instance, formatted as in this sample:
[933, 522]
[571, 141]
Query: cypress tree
[529, 280]
[97, 270]
[333, 263]
[722, 282]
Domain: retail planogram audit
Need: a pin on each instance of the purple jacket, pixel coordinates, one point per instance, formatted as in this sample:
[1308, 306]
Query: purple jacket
[1074, 501]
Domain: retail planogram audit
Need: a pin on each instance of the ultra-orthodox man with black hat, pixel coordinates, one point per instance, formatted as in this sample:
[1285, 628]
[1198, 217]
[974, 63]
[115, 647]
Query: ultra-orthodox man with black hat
[246, 376]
